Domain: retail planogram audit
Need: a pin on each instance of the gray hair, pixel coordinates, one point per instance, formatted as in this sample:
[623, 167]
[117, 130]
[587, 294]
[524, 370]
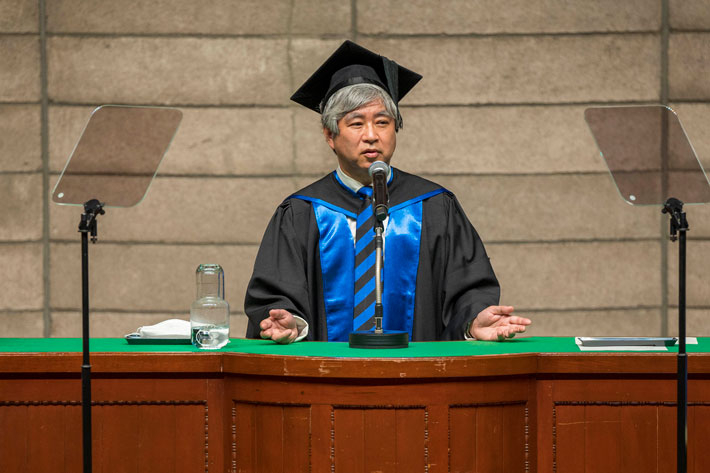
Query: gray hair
[351, 98]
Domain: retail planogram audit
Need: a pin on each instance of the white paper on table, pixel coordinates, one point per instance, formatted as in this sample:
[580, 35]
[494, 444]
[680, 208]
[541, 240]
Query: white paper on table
[688, 341]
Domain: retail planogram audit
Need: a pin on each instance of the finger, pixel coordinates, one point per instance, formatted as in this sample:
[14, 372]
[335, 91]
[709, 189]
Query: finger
[517, 320]
[513, 329]
[278, 314]
[283, 336]
[265, 324]
[501, 309]
[508, 331]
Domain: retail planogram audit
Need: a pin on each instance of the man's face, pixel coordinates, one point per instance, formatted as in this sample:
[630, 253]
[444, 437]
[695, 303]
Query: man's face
[367, 134]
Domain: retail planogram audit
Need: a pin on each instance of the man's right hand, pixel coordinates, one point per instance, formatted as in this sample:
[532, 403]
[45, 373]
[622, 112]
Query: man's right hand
[279, 327]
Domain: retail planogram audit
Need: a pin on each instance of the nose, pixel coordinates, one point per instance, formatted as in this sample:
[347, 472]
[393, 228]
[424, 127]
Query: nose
[369, 134]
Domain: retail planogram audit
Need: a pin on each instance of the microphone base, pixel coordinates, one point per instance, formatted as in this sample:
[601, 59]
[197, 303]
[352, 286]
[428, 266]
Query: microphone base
[388, 339]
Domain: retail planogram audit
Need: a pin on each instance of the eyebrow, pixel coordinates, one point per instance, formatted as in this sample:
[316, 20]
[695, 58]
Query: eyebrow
[355, 114]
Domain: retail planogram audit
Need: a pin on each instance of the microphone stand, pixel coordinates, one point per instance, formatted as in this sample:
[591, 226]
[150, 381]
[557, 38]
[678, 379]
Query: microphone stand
[379, 338]
[678, 230]
[92, 209]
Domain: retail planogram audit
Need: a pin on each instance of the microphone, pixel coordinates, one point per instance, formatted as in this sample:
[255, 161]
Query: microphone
[378, 172]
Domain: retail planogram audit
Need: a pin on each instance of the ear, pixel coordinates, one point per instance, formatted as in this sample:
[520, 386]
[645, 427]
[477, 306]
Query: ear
[329, 138]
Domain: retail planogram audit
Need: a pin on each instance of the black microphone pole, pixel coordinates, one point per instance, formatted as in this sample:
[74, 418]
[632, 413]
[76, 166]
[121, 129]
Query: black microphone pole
[92, 209]
[679, 227]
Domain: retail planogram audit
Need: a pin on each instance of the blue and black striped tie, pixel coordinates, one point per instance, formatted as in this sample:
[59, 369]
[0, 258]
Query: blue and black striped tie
[364, 310]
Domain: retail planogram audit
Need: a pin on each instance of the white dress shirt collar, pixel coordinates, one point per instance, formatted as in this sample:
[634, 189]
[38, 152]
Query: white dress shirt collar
[353, 184]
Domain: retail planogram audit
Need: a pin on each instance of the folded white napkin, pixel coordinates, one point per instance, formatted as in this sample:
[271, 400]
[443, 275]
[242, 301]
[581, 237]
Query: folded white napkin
[172, 328]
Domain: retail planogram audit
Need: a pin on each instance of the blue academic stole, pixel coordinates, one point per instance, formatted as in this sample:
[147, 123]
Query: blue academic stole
[337, 258]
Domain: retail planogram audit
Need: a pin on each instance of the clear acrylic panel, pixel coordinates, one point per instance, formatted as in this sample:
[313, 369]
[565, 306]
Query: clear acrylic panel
[117, 155]
[648, 154]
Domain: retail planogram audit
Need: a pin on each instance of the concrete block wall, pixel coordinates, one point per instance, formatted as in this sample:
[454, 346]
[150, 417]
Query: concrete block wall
[498, 119]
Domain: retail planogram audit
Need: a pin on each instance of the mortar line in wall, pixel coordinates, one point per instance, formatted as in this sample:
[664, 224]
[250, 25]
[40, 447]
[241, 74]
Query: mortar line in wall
[20, 242]
[256, 244]
[21, 173]
[174, 105]
[664, 40]
[587, 309]
[508, 34]
[44, 132]
[355, 34]
[564, 241]
[25, 103]
[264, 36]
[517, 310]
[158, 243]
[353, 20]
[292, 88]
[591, 103]
[321, 174]
[186, 312]
[687, 30]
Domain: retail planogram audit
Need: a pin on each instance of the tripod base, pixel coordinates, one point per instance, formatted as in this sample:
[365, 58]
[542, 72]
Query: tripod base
[379, 340]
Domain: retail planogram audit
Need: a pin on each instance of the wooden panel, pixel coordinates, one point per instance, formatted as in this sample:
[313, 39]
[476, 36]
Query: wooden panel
[410, 441]
[296, 434]
[603, 438]
[157, 435]
[667, 440]
[243, 443]
[47, 432]
[488, 438]
[322, 427]
[379, 439]
[462, 438]
[269, 437]
[698, 435]
[514, 439]
[117, 440]
[437, 429]
[634, 437]
[14, 433]
[349, 437]
[569, 445]
[73, 460]
[191, 441]
[638, 448]
[126, 437]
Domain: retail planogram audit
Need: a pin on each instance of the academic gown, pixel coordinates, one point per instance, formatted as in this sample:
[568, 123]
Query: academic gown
[452, 279]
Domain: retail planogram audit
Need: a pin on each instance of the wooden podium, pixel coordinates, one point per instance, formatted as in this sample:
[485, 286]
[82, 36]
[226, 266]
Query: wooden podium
[260, 412]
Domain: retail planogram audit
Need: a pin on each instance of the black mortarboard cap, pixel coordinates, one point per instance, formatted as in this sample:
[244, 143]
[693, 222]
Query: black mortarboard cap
[352, 64]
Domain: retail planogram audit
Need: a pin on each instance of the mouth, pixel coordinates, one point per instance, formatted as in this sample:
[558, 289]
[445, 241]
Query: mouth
[371, 153]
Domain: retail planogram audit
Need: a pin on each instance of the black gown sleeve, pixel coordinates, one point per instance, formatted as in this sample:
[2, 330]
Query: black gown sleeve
[471, 284]
[279, 279]
[455, 280]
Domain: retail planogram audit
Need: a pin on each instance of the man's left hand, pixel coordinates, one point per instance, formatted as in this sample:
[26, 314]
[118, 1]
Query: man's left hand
[496, 323]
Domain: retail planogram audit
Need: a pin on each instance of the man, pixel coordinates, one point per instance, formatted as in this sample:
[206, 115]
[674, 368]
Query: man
[308, 279]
